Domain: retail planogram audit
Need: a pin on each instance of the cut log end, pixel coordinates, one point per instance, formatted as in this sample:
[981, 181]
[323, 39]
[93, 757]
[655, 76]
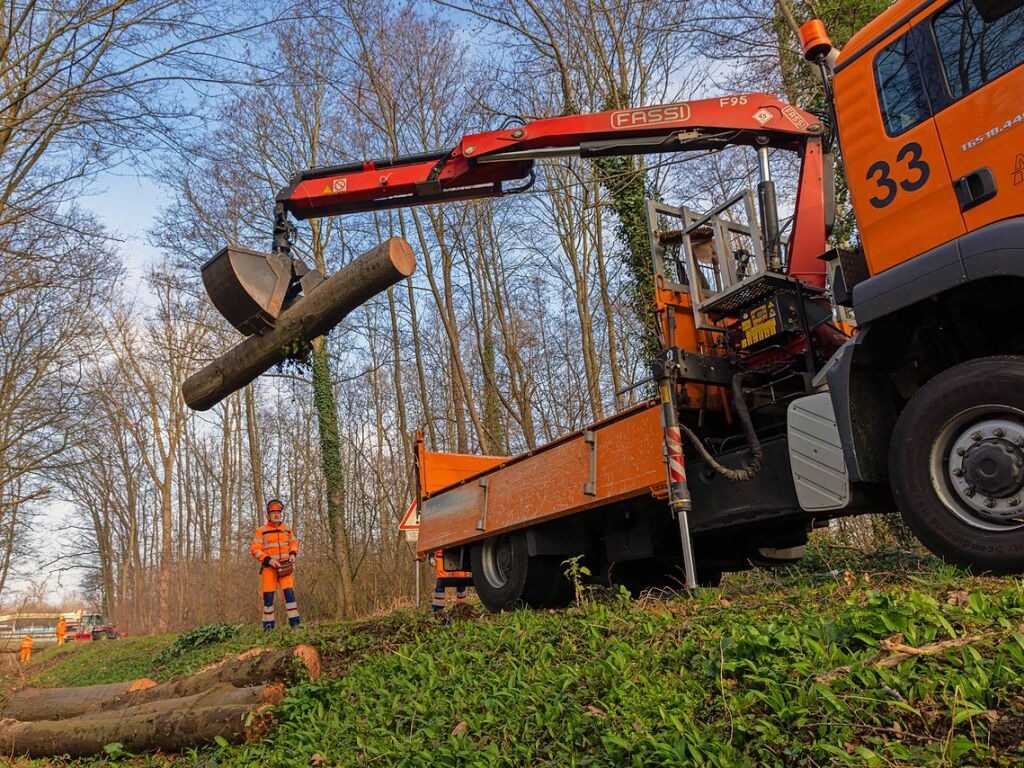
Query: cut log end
[402, 257]
[309, 657]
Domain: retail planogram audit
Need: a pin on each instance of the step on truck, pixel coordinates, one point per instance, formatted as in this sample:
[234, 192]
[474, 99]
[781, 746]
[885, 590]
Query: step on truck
[793, 383]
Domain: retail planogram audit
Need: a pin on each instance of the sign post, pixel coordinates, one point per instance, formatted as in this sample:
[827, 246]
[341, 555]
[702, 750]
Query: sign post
[410, 525]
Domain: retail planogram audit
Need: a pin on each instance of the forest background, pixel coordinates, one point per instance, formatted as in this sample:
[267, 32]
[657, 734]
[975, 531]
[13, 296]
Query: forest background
[525, 317]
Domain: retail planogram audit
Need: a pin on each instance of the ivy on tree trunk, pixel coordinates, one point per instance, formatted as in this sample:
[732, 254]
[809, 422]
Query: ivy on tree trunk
[330, 451]
[626, 183]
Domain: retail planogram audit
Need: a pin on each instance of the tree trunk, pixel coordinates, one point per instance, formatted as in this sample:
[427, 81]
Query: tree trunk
[255, 453]
[287, 666]
[310, 317]
[169, 728]
[330, 453]
[59, 703]
[166, 548]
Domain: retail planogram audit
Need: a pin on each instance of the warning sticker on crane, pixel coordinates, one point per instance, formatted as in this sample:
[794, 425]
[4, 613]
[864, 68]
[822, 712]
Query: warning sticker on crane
[411, 522]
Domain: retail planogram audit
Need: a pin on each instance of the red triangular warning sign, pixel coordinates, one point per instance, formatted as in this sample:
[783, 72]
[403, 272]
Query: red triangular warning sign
[411, 520]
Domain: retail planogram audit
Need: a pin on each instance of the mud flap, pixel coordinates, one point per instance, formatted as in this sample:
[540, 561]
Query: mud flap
[816, 454]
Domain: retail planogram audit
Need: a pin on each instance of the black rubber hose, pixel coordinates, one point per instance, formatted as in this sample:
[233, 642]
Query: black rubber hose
[753, 466]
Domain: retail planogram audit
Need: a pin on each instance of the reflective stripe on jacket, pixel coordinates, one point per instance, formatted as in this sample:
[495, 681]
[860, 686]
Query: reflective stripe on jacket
[272, 540]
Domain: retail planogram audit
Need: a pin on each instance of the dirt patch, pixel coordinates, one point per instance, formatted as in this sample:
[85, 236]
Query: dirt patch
[460, 612]
[1008, 731]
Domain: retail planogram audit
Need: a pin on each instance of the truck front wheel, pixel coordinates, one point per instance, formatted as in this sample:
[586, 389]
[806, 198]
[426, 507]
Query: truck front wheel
[505, 576]
[957, 464]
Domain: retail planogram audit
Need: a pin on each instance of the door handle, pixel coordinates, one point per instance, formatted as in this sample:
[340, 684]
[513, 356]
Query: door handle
[975, 188]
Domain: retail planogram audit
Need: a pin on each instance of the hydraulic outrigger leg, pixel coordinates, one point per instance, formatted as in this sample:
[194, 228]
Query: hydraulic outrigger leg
[678, 492]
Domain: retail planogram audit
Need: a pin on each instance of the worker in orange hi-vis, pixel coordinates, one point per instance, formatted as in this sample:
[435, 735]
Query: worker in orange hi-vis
[26, 647]
[62, 630]
[276, 547]
[458, 579]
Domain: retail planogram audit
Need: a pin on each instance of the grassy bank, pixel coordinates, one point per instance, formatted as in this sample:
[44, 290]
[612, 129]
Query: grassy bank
[892, 660]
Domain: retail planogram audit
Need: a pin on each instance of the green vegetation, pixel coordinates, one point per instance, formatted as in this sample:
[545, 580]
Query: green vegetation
[787, 669]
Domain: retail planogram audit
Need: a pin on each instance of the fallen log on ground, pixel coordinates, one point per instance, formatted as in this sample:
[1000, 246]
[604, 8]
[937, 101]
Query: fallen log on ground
[171, 730]
[313, 315]
[60, 703]
[286, 666]
[223, 695]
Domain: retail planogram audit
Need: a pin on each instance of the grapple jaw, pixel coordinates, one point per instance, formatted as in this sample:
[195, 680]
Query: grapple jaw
[251, 288]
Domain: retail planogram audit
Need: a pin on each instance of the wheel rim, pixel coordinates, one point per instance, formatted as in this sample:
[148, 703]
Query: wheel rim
[497, 561]
[977, 467]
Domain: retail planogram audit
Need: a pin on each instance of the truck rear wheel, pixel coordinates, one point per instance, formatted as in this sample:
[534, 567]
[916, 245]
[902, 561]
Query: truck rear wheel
[957, 464]
[505, 576]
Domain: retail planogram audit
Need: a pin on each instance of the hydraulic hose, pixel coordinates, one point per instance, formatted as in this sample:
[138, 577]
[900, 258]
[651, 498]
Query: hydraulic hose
[751, 469]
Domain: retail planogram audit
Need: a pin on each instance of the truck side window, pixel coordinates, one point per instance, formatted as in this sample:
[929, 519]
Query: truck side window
[975, 51]
[901, 92]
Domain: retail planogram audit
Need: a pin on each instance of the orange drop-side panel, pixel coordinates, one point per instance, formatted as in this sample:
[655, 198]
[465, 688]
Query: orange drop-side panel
[440, 470]
[550, 482]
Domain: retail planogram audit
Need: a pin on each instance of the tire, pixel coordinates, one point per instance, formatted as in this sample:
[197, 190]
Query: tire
[506, 577]
[967, 420]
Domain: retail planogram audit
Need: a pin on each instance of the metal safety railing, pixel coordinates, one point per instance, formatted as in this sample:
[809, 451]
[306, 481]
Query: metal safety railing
[710, 255]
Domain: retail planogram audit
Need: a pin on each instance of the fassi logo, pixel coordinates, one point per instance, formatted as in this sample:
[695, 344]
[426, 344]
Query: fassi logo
[637, 118]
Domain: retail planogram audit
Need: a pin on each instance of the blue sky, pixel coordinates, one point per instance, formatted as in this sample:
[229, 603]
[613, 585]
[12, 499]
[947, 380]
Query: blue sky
[128, 204]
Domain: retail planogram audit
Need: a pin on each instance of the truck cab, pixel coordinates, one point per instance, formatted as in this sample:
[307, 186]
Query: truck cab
[931, 122]
[931, 126]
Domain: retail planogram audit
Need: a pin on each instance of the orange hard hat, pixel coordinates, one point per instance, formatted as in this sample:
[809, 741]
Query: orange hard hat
[275, 505]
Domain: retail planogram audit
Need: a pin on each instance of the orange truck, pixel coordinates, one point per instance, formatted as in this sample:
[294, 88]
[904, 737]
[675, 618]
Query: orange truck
[806, 382]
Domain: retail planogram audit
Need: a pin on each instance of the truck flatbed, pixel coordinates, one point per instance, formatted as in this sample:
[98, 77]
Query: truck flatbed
[617, 458]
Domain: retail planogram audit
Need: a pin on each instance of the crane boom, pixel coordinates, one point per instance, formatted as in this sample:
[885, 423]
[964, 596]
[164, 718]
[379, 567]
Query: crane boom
[481, 164]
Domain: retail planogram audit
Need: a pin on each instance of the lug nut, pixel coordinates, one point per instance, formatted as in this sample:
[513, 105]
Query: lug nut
[1019, 442]
[961, 451]
[968, 492]
[976, 436]
[1014, 502]
[998, 431]
[990, 503]
[958, 472]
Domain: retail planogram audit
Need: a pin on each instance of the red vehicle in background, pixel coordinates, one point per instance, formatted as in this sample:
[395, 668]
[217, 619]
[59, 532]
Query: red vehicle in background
[91, 626]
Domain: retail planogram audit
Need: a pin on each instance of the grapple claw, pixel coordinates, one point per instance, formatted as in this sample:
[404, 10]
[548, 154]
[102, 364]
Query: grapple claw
[248, 287]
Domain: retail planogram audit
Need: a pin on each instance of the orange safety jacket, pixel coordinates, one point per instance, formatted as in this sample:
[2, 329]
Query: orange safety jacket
[26, 643]
[274, 540]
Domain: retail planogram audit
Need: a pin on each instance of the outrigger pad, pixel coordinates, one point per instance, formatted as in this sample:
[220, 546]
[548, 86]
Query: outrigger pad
[248, 287]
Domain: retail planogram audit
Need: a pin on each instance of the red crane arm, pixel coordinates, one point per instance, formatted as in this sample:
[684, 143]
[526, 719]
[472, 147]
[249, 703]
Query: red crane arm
[481, 163]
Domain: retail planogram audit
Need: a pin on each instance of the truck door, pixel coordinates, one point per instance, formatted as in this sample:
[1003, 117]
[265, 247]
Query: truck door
[980, 51]
[899, 182]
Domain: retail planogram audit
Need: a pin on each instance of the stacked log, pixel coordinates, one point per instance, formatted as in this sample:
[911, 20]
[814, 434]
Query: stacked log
[142, 715]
